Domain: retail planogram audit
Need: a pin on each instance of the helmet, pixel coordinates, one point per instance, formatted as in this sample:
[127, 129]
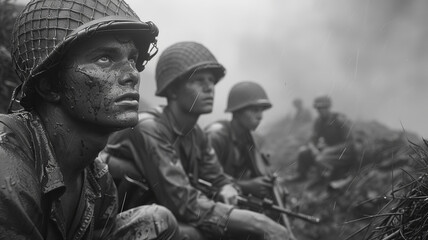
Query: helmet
[322, 102]
[182, 58]
[246, 94]
[46, 28]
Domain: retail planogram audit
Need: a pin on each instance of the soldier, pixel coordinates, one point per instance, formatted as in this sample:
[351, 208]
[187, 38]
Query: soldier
[236, 147]
[234, 143]
[330, 145]
[170, 151]
[78, 61]
[302, 115]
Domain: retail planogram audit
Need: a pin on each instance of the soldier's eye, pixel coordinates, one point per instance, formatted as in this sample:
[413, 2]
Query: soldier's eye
[103, 59]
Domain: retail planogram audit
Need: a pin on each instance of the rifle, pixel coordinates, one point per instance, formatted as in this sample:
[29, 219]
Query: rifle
[267, 204]
[281, 208]
[246, 201]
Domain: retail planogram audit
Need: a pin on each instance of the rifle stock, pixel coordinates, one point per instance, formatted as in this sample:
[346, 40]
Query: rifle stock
[281, 205]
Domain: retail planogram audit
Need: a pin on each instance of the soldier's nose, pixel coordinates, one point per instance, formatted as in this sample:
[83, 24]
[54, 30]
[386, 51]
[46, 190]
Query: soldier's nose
[130, 75]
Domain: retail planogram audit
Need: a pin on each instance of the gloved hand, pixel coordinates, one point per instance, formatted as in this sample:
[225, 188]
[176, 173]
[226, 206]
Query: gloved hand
[259, 186]
[229, 194]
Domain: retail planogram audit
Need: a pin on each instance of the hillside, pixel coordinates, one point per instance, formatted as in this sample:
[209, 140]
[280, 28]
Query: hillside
[384, 163]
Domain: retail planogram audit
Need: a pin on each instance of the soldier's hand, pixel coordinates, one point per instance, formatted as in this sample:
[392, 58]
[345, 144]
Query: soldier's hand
[229, 194]
[315, 150]
[245, 223]
[259, 186]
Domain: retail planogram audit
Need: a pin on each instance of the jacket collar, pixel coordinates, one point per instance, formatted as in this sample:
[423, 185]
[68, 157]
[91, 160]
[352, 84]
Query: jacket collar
[50, 175]
[171, 120]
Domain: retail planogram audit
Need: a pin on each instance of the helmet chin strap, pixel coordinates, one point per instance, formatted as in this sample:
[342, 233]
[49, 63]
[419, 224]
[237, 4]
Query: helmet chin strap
[14, 99]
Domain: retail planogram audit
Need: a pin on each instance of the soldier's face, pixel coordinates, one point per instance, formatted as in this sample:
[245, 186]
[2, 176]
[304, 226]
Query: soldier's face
[100, 82]
[250, 117]
[323, 112]
[196, 94]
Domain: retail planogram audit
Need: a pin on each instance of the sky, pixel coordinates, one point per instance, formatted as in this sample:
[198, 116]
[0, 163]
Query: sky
[368, 55]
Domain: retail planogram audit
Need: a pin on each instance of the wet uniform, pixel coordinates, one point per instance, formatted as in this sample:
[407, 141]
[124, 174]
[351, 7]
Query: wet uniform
[32, 185]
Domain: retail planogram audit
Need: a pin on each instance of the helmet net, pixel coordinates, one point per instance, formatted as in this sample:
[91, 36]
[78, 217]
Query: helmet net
[45, 26]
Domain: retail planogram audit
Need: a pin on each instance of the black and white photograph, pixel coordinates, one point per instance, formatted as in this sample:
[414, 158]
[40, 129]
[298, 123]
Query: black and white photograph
[213, 120]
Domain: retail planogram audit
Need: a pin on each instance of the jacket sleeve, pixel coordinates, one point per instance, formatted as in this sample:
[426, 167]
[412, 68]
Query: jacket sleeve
[157, 160]
[345, 128]
[119, 154]
[21, 214]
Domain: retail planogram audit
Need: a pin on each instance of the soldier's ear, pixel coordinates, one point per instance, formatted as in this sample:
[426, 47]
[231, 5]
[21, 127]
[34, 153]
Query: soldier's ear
[46, 89]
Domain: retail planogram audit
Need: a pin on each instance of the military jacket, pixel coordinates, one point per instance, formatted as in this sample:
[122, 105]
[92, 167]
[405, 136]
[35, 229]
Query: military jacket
[171, 162]
[31, 186]
[238, 153]
[333, 130]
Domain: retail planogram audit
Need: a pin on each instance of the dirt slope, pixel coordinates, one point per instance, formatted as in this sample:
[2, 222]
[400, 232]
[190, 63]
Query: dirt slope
[384, 161]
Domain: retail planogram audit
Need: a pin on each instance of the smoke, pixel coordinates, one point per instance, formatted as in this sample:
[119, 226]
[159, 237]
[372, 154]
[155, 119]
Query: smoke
[368, 55]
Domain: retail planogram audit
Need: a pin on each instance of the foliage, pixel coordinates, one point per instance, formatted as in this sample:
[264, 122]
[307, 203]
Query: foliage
[8, 78]
[406, 214]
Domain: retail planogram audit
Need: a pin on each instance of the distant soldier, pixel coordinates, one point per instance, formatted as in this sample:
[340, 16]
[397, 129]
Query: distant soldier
[171, 152]
[79, 63]
[331, 146]
[302, 114]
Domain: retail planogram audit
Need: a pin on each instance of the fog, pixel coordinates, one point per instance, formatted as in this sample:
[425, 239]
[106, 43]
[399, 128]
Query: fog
[368, 55]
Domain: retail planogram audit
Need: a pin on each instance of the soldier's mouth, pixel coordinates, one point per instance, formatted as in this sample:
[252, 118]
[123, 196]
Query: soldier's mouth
[128, 99]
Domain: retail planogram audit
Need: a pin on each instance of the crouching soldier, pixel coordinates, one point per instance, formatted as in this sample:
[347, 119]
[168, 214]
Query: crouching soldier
[79, 63]
[171, 152]
[331, 148]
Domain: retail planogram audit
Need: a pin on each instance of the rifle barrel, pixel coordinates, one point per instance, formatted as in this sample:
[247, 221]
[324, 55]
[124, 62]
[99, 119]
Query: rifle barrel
[305, 217]
[262, 203]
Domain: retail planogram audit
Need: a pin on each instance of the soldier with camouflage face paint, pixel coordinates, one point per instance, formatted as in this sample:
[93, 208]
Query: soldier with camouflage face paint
[79, 63]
